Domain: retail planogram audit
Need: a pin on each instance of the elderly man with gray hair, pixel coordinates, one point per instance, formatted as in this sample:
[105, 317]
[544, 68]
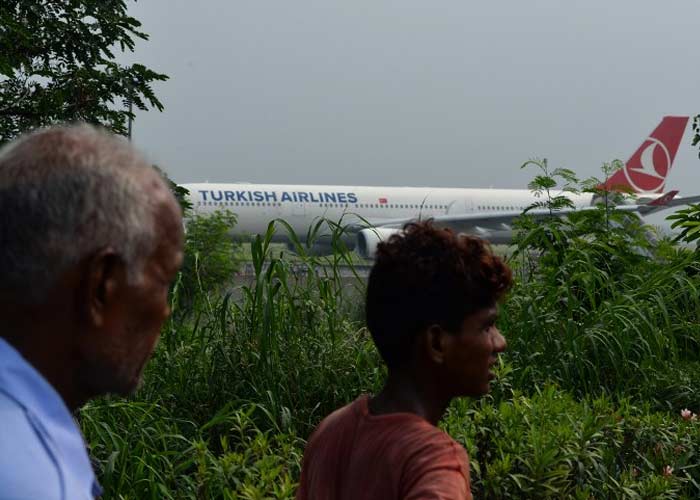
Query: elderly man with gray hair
[90, 240]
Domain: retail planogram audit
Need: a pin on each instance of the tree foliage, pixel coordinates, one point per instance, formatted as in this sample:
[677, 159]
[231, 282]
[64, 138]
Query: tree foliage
[180, 193]
[688, 220]
[57, 64]
[547, 180]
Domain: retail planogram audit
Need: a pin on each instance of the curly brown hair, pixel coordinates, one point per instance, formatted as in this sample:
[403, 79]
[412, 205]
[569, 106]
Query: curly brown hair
[424, 276]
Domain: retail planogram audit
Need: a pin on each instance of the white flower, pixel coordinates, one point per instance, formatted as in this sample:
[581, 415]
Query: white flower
[667, 471]
[686, 414]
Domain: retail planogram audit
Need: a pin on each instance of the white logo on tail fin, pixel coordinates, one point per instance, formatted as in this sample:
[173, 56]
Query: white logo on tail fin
[649, 174]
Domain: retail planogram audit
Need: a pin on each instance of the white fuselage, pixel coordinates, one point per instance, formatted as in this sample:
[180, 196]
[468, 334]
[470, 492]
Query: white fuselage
[302, 205]
[486, 212]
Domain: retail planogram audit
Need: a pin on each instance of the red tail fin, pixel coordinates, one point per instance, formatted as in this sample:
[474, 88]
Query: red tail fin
[647, 169]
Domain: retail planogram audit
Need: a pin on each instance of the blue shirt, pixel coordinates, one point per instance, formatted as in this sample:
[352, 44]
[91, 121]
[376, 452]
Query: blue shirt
[42, 452]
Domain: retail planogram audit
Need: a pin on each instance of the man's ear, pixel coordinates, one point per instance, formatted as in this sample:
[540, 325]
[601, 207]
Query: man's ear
[104, 276]
[436, 339]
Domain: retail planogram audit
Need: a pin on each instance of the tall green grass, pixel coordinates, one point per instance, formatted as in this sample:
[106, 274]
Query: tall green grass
[293, 342]
[604, 347]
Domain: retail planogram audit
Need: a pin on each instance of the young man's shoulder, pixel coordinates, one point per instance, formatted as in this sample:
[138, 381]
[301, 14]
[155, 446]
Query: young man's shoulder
[341, 419]
[351, 411]
[403, 434]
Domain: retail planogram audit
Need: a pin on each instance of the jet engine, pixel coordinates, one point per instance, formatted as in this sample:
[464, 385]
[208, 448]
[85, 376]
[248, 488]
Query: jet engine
[368, 239]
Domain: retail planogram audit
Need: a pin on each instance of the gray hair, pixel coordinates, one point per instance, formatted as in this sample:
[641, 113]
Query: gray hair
[66, 192]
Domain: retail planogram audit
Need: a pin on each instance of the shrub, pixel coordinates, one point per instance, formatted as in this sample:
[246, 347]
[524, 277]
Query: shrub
[550, 446]
[211, 258]
[602, 308]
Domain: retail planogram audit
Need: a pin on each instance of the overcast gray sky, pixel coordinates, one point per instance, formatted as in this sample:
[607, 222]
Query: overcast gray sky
[411, 92]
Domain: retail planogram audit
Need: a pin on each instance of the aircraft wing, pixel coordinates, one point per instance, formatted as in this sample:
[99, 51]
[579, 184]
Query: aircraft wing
[487, 223]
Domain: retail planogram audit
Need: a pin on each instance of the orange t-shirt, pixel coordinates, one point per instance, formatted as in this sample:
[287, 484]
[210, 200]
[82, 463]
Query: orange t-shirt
[354, 455]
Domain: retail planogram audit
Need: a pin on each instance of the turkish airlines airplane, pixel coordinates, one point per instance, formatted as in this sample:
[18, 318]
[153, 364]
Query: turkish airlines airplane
[371, 214]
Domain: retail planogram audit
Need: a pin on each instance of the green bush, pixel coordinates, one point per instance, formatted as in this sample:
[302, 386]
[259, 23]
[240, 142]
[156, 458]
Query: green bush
[550, 446]
[600, 307]
[210, 260]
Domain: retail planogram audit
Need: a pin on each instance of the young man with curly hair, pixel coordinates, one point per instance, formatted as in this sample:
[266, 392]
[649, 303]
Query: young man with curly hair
[431, 308]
